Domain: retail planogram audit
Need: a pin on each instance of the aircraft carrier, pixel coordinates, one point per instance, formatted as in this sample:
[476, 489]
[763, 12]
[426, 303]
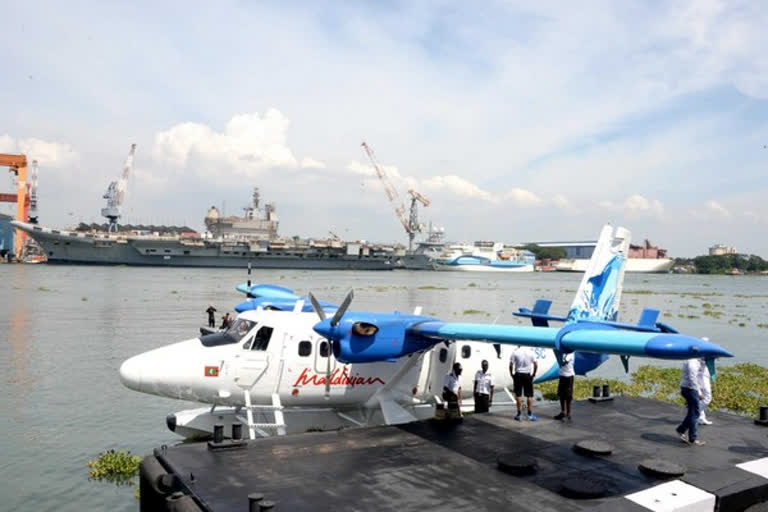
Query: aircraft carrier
[228, 242]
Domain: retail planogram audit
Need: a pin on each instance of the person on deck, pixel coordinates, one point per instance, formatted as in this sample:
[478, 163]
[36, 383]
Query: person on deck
[565, 387]
[211, 318]
[689, 388]
[483, 390]
[226, 321]
[522, 368]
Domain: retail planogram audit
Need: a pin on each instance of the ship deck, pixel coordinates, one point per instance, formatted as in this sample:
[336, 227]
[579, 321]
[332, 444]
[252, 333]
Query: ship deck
[431, 465]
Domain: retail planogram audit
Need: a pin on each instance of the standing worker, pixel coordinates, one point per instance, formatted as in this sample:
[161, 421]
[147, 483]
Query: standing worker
[452, 388]
[522, 368]
[226, 321]
[705, 385]
[483, 388]
[565, 387]
[689, 388]
[211, 319]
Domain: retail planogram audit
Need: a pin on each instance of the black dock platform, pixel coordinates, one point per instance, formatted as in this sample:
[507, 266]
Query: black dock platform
[486, 462]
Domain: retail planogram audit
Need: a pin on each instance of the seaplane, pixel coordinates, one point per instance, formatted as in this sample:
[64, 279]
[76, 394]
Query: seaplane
[290, 363]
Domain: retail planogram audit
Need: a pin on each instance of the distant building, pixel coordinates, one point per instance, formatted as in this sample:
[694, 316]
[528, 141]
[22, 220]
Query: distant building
[721, 249]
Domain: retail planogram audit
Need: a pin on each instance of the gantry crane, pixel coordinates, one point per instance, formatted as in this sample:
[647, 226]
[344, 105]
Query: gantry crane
[410, 223]
[115, 193]
[32, 214]
[18, 166]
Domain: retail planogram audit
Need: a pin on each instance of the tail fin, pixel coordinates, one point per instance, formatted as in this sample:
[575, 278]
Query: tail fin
[600, 291]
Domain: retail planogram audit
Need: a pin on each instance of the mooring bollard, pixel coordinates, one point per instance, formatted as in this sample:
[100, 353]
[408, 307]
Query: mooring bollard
[218, 433]
[606, 390]
[237, 431]
[596, 392]
[266, 505]
[253, 501]
[762, 419]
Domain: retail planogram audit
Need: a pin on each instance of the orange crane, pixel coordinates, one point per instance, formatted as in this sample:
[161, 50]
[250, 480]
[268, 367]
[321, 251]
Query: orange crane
[410, 223]
[18, 165]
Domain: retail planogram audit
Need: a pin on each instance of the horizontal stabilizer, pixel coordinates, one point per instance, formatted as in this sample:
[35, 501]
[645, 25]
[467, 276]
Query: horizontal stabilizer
[540, 316]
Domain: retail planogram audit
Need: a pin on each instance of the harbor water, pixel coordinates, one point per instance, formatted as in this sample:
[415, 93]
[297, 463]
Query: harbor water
[64, 331]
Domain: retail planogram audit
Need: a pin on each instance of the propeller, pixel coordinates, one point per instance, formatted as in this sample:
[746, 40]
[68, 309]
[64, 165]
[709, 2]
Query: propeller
[335, 319]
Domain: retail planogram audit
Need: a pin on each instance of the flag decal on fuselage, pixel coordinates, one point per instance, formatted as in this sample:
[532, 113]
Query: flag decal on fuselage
[211, 371]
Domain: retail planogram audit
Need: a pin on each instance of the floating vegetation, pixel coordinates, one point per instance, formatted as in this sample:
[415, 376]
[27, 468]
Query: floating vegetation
[430, 287]
[43, 289]
[712, 313]
[174, 292]
[692, 317]
[471, 285]
[474, 312]
[740, 388]
[115, 466]
[762, 326]
[706, 305]
[689, 306]
[742, 324]
[640, 292]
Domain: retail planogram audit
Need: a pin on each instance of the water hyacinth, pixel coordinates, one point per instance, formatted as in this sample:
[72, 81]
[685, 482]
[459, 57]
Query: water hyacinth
[740, 388]
[114, 466]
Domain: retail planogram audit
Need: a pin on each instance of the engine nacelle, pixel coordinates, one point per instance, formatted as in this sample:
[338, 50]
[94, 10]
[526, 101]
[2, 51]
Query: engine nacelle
[370, 337]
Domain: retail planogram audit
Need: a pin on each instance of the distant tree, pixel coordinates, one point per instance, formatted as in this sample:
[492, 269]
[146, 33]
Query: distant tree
[552, 253]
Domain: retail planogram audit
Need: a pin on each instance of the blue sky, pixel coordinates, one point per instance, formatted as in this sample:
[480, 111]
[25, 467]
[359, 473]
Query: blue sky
[520, 122]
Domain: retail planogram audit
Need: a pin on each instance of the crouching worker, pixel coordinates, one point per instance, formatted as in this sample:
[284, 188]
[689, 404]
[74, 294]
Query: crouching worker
[452, 391]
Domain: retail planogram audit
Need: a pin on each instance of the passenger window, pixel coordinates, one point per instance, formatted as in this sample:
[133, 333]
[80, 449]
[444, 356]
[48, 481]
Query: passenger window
[466, 351]
[261, 341]
[443, 355]
[324, 349]
[305, 348]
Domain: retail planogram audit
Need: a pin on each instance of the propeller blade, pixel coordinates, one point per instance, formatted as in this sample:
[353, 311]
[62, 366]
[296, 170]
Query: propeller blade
[317, 307]
[328, 373]
[342, 308]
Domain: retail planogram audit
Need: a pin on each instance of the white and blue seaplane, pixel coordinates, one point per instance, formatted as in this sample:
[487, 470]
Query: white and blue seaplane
[279, 368]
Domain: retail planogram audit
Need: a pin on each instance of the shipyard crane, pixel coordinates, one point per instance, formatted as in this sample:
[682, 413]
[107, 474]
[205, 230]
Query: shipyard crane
[410, 223]
[18, 165]
[115, 193]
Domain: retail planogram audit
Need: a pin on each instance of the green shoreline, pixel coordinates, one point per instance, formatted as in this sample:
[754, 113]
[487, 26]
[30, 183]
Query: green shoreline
[740, 388]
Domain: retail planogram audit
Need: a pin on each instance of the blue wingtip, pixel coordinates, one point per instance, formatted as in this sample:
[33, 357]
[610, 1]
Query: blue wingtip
[677, 346]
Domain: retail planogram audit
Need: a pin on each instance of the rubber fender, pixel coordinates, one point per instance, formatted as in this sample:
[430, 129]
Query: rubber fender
[178, 502]
[151, 472]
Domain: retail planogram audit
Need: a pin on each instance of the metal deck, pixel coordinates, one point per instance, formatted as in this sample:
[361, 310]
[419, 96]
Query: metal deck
[428, 466]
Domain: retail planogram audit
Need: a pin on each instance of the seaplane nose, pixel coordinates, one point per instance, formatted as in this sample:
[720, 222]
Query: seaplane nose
[130, 373]
[323, 328]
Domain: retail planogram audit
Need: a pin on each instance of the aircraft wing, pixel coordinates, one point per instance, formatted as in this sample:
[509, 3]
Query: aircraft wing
[579, 336]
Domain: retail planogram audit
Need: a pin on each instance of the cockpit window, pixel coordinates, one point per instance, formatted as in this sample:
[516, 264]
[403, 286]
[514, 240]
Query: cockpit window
[240, 328]
[261, 341]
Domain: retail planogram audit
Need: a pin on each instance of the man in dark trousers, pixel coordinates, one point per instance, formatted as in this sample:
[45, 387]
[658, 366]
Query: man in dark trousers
[483, 388]
[211, 319]
[452, 388]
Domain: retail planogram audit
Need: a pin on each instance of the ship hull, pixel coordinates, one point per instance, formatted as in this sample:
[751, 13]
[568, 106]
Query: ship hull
[484, 268]
[634, 265]
[63, 247]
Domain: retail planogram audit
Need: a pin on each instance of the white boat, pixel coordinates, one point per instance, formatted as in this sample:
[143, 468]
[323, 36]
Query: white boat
[485, 257]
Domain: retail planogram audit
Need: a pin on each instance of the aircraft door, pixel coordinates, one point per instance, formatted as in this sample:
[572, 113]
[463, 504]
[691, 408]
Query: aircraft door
[441, 360]
[322, 353]
[253, 359]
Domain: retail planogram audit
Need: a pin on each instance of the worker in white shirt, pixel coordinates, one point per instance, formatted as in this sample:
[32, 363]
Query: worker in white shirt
[565, 387]
[522, 368]
[483, 388]
[689, 388]
[452, 388]
[705, 385]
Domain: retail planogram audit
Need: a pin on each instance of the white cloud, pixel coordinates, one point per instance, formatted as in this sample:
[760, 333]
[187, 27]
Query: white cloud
[521, 197]
[458, 186]
[718, 209]
[248, 145]
[561, 202]
[640, 205]
[311, 163]
[47, 154]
